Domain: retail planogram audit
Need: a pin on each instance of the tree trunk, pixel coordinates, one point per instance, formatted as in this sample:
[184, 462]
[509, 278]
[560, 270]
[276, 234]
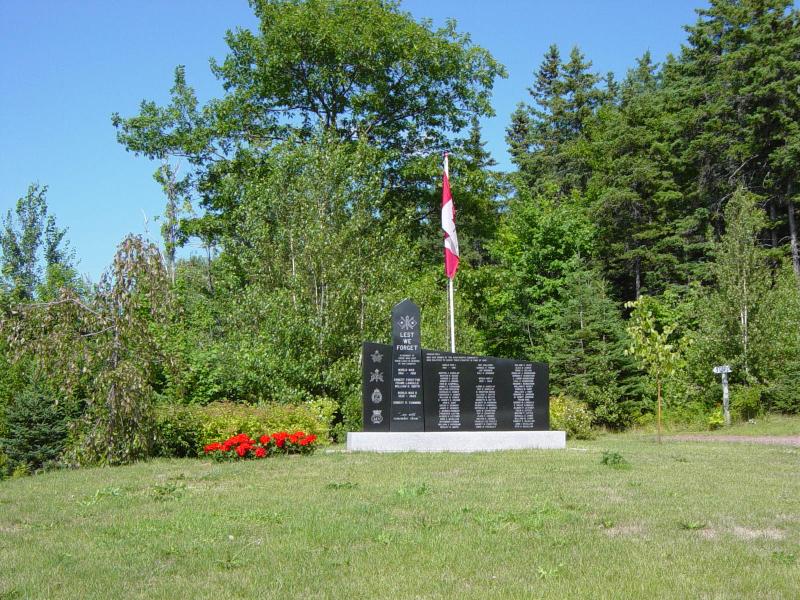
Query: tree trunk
[658, 411]
[793, 237]
[294, 270]
[209, 279]
[773, 217]
[744, 322]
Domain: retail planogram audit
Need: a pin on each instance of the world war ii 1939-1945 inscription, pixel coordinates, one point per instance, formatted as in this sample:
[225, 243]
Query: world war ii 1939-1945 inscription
[406, 388]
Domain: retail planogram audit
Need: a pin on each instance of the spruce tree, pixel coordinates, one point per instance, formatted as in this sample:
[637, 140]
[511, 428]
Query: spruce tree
[586, 349]
[36, 430]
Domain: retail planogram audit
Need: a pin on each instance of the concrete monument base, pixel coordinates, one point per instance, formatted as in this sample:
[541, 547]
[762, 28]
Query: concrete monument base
[454, 441]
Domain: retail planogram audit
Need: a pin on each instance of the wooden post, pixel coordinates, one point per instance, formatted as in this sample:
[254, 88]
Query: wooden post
[724, 370]
[725, 400]
[658, 411]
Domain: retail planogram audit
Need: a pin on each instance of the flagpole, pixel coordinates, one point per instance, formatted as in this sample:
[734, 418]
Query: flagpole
[450, 302]
[452, 316]
[447, 319]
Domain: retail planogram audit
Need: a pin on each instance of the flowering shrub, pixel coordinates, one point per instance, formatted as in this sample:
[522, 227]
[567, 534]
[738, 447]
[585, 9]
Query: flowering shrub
[572, 416]
[243, 446]
[185, 430]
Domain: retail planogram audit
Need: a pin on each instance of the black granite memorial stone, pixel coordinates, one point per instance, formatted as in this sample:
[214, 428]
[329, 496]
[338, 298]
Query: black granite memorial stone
[483, 393]
[407, 411]
[376, 391]
[406, 388]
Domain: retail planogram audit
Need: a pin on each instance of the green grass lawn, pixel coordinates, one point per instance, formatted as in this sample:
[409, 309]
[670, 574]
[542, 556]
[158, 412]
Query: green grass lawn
[764, 425]
[767, 424]
[681, 520]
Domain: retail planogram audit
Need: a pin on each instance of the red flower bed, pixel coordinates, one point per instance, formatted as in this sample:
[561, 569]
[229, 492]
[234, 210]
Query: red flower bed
[242, 446]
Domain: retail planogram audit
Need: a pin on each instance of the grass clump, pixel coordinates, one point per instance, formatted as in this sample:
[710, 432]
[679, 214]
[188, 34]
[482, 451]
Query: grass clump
[341, 485]
[615, 460]
[169, 490]
[784, 558]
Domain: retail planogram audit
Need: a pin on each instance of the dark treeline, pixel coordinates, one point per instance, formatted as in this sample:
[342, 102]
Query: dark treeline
[649, 216]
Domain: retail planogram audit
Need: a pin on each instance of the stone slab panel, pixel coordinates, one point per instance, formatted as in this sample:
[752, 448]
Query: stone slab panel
[454, 441]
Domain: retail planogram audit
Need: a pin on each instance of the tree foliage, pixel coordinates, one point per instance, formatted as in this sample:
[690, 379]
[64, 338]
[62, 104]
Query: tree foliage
[652, 346]
[358, 69]
[104, 353]
[650, 222]
[35, 257]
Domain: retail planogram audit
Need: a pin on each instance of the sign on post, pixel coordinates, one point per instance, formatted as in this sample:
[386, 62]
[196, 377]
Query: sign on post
[724, 370]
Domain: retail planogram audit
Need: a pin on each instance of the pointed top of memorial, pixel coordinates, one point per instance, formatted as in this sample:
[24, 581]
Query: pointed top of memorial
[405, 304]
[405, 317]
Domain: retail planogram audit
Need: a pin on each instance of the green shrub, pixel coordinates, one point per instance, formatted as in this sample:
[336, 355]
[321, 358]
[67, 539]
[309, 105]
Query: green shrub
[324, 409]
[21, 470]
[716, 419]
[222, 420]
[184, 430]
[571, 416]
[645, 420]
[5, 466]
[691, 415]
[609, 407]
[783, 395]
[36, 431]
[745, 402]
[177, 430]
[351, 418]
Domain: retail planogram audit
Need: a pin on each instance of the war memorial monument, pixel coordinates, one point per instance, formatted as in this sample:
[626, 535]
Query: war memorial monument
[430, 401]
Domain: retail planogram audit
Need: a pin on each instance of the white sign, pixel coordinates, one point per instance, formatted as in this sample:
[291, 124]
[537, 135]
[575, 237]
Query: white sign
[724, 370]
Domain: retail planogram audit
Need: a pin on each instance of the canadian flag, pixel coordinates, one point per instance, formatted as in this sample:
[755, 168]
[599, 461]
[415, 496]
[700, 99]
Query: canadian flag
[449, 225]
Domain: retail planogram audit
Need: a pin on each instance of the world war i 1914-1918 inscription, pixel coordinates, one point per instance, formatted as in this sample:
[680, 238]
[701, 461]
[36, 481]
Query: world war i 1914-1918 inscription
[426, 390]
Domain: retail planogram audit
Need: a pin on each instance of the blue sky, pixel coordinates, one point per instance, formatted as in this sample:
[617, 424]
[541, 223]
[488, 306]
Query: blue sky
[67, 66]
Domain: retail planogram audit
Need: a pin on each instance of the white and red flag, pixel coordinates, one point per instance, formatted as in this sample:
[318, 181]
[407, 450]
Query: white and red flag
[449, 225]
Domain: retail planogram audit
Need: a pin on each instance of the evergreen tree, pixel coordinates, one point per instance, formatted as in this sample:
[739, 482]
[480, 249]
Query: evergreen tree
[544, 137]
[648, 241]
[479, 191]
[734, 107]
[586, 349]
[36, 430]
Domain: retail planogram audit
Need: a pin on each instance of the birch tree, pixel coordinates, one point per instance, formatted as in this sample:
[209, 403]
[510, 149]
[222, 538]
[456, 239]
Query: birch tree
[741, 271]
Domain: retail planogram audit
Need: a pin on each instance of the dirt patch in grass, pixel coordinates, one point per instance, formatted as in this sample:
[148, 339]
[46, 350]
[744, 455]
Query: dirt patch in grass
[611, 495]
[784, 518]
[624, 530]
[768, 533]
[708, 533]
